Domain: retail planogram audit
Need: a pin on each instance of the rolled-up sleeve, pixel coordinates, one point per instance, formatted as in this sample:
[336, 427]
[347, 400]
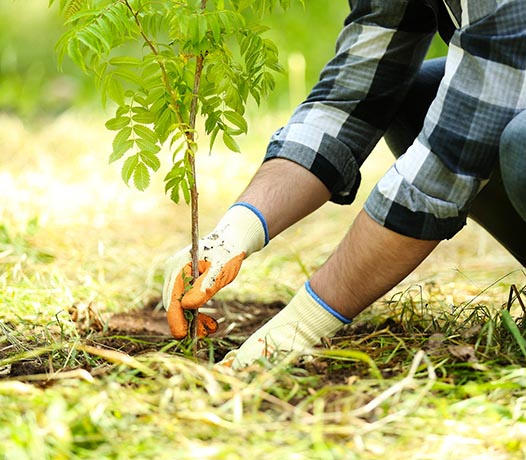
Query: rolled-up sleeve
[378, 53]
[428, 191]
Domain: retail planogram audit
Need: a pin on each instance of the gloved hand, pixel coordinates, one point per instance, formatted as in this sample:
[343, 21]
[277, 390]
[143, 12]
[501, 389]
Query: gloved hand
[294, 330]
[241, 231]
[177, 320]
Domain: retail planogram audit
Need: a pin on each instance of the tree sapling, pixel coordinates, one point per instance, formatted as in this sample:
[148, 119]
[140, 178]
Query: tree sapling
[163, 64]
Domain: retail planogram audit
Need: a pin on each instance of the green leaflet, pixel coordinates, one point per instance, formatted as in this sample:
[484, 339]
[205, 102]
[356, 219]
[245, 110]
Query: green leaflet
[129, 167]
[141, 177]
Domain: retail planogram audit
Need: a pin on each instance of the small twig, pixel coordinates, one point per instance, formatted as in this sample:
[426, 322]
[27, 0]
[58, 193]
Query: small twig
[518, 294]
[194, 195]
[510, 299]
[164, 73]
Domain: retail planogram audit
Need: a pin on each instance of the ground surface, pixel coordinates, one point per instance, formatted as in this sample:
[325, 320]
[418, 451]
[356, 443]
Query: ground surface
[88, 369]
[146, 329]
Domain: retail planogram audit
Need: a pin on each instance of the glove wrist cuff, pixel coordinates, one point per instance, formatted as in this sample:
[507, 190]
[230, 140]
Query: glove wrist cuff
[317, 318]
[295, 329]
[259, 215]
[325, 306]
[245, 226]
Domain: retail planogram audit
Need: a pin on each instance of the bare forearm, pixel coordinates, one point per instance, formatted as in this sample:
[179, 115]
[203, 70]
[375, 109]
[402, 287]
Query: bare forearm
[284, 192]
[369, 261]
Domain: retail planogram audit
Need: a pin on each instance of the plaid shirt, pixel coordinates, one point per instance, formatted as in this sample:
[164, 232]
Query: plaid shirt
[428, 191]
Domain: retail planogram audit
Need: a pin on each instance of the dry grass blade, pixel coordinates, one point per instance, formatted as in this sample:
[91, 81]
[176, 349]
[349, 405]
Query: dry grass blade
[116, 357]
[29, 354]
[352, 355]
[81, 374]
[406, 383]
[514, 290]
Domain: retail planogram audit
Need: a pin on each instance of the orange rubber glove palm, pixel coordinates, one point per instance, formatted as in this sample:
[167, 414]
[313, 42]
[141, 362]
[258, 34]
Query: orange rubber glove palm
[240, 232]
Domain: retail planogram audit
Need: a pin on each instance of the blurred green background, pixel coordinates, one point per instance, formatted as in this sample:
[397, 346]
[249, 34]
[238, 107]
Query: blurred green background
[31, 86]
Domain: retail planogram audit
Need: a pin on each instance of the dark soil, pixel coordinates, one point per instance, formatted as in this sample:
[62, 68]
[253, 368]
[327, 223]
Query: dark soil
[141, 331]
[146, 330]
[236, 317]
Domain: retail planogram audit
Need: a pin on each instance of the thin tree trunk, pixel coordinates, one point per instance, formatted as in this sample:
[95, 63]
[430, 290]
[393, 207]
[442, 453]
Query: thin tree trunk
[190, 152]
[194, 195]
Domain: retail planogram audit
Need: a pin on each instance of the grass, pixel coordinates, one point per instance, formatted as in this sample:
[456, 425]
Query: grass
[431, 371]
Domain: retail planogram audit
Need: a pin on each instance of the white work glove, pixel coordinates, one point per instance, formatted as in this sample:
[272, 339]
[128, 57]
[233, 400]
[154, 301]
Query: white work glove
[293, 331]
[240, 232]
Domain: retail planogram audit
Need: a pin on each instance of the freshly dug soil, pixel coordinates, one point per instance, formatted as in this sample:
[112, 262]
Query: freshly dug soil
[234, 318]
[236, 322]
[140, 331]
[146, 330]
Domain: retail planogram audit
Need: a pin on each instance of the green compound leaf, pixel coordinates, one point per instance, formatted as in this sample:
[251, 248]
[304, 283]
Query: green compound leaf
[121, 137]
[147, 146]
[150, 160]
[237, 120]
[143, 55]
[120, 149]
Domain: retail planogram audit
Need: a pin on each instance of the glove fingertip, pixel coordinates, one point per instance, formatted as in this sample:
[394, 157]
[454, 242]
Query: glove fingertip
[206, 286]
[206, 325]
[229, 271]
[228, 360]
[176, 321]
[208, 322]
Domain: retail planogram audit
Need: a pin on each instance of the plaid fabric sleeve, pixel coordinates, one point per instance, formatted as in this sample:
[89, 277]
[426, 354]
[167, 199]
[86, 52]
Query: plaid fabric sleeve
[428, 191]
[378, 53]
